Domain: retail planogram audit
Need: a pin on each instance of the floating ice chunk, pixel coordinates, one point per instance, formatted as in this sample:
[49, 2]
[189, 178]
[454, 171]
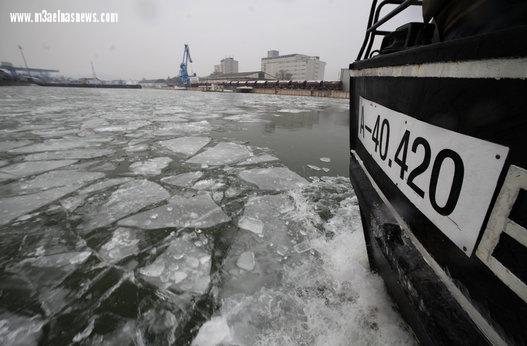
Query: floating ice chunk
[325, 169]
[196, 211]
[302, 247]
[8, 145]
[85, 333]
[186, 145]
[214, 332]
[250, 224]
[217, 196]
[132, 125]
[56, 145]
[93, 123]
[313, 167]
[69, 154]
[208, 184]
[71, 203]
[258, 159]
[50, 180]
[290, 110]
[25, 169]
[274, 178]
[13, 207]
[246, 261]
[182, 266]
[20, 330]
[104, 185]
[127, 199]
[183, 128]
[151, 167]
[67, 260]
[183, 180]
[325, 159]
[262, 214]
[123, 244]
[232, 192]
[223, 153]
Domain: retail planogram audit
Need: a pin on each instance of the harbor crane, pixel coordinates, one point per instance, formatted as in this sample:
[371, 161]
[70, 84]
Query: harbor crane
[184, 79]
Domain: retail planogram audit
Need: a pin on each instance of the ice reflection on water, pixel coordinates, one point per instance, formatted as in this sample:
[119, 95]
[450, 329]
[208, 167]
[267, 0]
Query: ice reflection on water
[162, 217]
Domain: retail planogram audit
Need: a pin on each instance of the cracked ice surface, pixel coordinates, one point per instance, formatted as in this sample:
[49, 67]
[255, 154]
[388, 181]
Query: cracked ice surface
[181, 211]
[222, 154]
[274, 178]
[258, 159]
[186, 145]
[123, 244]
[69, 154]
[151, 167]
[18, 330]
[128, 199]
[57, 144]
[183, 266]
[24, 169]
[183, 180]
[51, 179]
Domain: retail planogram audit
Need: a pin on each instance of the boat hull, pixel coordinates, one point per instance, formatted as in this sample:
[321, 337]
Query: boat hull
[435, 258]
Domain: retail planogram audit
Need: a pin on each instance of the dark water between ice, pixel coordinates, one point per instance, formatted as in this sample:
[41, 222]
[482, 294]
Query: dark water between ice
[160, 217]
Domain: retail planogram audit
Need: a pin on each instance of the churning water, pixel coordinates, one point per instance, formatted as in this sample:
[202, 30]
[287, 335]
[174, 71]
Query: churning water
[161, 217]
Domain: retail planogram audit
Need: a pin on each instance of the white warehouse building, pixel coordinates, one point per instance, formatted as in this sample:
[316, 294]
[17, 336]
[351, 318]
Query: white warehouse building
[293, 66]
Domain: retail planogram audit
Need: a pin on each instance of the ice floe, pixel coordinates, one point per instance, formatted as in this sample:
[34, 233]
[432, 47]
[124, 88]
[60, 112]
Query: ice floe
[182, 266]
[180, 211]
[313, 167]
[56, 145]
[186, 145]
[124, 242]
[183, 180]
[258, 159]
[132, 125]
[50, 180]
[8, 145]
[69, 154]
[19, 330]
[246, 261]
[273, 178]
[150, 167]
[24, 169]
[325, 159]
[129, 198]
[222, 154]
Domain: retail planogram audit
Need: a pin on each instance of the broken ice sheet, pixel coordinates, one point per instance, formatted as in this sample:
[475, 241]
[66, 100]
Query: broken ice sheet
[273, 178]
[49, 180]
[69, 154]
[122, 244]
[221, 154]
[57, 145]
[129, 198]
[20, 330]
[186, 145]
[7, 145]
[132, 125]
[150, 167]
[183, 180]
[24, 169]
[181, 211]
[183, 266]
[246, 261]
[13, 207]
[262, 214]
[258, 159]
[104, 185]
[313, 167]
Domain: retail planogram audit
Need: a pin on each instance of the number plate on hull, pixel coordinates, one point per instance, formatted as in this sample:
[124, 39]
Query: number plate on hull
[448, 176]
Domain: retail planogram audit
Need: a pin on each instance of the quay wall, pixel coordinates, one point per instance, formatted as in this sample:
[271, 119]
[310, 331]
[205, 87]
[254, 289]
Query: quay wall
[294, 92]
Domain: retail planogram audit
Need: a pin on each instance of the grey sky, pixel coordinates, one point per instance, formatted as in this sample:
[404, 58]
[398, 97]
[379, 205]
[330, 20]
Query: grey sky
[148, 40]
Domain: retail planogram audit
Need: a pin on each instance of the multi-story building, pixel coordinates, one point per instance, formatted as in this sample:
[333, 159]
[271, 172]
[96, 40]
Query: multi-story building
[228, 66]
[293, 66]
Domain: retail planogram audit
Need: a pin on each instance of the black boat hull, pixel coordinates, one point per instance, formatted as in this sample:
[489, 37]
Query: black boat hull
[447, 286]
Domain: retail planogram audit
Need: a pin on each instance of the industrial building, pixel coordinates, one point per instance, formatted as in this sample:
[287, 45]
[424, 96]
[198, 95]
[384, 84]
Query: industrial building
[228, 66]
[293, 66]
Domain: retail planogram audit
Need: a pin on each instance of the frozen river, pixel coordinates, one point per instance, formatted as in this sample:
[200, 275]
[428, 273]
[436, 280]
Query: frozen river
[161, 217]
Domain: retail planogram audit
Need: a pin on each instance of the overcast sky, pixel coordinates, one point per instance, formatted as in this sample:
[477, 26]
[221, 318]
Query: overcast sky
[148, 40]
